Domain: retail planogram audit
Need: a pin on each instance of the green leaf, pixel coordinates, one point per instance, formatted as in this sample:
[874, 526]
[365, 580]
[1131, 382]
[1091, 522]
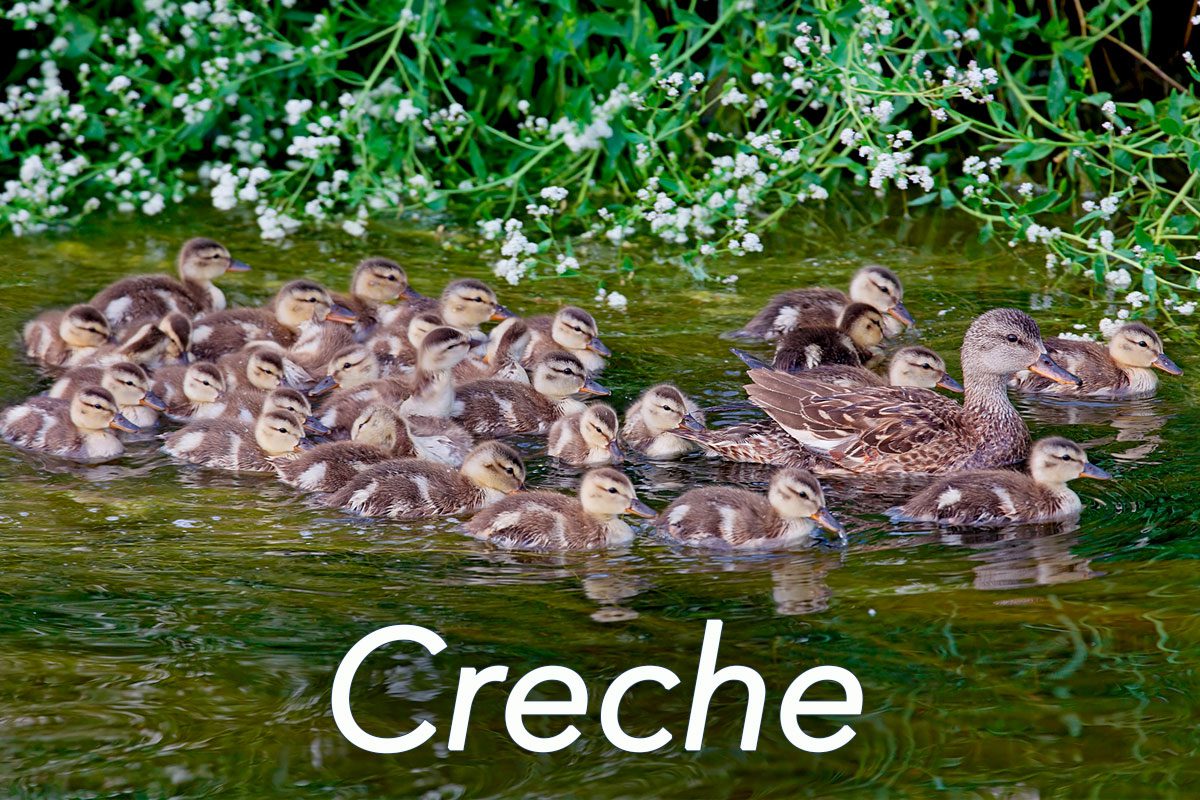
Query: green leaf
[1056, 89]
[949, 133]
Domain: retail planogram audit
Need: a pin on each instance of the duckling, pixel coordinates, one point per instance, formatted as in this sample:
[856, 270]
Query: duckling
[131, 301]
[552, 521]
[851, 343]
[909, 366]
[438, 439]
[375, 283]
[507, 345]
[997, 497]
[79, 429]
[259, 367]
[238, 446]
[152, 345]
[874, 285]
[396, 351]
[587, 438]
[125, 381]
[193, 392]
[506, 408]
[247, 406]
[465, 304]
[1124, 369]
[411, 488]
[377, 435]
[571, 329]
[651, 422]
[55, 340]
[296, 304]
[721, 516]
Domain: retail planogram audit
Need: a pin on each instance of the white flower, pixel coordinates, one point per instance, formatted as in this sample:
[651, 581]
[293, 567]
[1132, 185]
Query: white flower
[1118, 278]
[555, 194]
[1137, 299]
[1109, 327]
[354, 227]
[1187, 309]
[733, 96]
[566, 263]
[154, 205]
[617, 300]
[118, 84]
[406, 110]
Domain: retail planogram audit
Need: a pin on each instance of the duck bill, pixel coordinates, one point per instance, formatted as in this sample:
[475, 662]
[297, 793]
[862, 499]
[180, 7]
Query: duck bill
[303, 445]
[518, 490]
[151, 400]
[500, 313]
[341, 314]
[1166, 365]
[614, 452]
[237, 266]
[485, 358]
[639, 509]
[324, 386]
[591, 387]
[949, 384]
[315, 426]
[598, 347]
[901, 313]
[185, 358]
[122, 423]
[751, 361]
[411, 295]
[1046, 367]
[1095, 473]
[690, 423]
[479, 341]
[827, 521]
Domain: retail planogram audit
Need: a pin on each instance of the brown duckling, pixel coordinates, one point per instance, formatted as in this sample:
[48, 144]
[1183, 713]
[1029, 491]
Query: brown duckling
[874, 285]
[997, 497]
[55, 340]
[412, 488]
[125, 381]
[652, 421]
[247, 406]
[196, 391]
[553, 521]
[721, 516]
[571, 329]
[465, 304]
[131, 301]
[79, 429]
[376, 282]
[506, 408]
[152, 345]
[1125, 368]
[506, 348]
[377, 435]
[587, 438]
[238, 446]
[396, 350]
[260, 366]
[851, 343]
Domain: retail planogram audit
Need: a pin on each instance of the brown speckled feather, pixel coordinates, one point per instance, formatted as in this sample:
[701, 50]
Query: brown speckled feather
[408, 489]
[495, 408]
[330, 466]
[790, 309]
[538, 521]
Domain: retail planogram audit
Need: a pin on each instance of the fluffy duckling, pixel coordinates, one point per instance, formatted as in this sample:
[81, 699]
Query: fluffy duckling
[721, 516]
[1123, 369]
[851, 343]
[587, 438]
[396, 349]
[247, 406]
[507, 345]
[377, 435]
[411, 488]
[193, 392]
[552, 521]
[651, 422]
[506, 408]
[58, 339]
[465, 304]
[79, 429]
[438, 439]
[297, 304]
[376, 282]
[909, 366]
[130, 301]
[571, 329]
[262, 367]
[996, 498]
[432, 384]
[874, 285]
[152, 345]
[238, 446]
[125, 381]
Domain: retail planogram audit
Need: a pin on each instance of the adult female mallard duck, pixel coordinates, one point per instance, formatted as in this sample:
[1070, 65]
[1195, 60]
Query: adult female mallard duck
[721, 516]
[193, 392]
[587, 438]
[878, 430]
[79, 429]
[571, 329]
[377, 435]
[1125, 368]
[376, 282]
[55, 340]
[412, 488]
[465, 304]
[131, 301]
[553, 521]
[1000, 497]
[506, 349]
[125, 381]
[653, 420]
[238, 446]
[852, 343]
[507, 408]
[874, 285]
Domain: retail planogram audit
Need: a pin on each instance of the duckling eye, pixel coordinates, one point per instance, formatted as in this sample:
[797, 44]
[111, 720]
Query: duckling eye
[1142, 344]
[509, 470]
[1012, 337]
[392, 278]
[926, 366]
[282, 430]
[1065, 457]
[884, 289]
[666, 408]
[612, 490]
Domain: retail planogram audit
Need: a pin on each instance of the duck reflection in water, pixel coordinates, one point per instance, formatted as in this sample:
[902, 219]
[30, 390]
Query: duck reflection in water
[1138, 422]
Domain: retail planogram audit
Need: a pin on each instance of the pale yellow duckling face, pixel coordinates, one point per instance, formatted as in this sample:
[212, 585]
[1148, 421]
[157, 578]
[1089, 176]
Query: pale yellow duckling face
[83, 326]
[264, 369]
[286, 399]
[129, 385]
[203, 383]
[598, 425]
[304, 301]
[178, 330]
[470, 303]
[605, 492]
[559, 375]
[1004, 341]
[95, 409]
[378, 426]
[420, 326]
[508, 342]
[206, 260]
[796, 494]
[379, 280]
[663, 408]
[1137, 345]
[575, 329]
[495, 465]
[443, 349]
[1056, 460]
[880, 288]
[351, 368]
[922, 368]
[278, 432]
[863, 324]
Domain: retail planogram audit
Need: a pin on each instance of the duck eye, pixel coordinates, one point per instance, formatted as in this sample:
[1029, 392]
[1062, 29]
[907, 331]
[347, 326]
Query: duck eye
[612, 490]
[1142, 344]
[1012, 337]
[1065, 457]
[509, 470]
[666, 408]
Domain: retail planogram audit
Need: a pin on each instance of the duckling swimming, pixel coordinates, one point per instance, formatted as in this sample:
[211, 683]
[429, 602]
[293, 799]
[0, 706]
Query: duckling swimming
[571, 329]
[259, 367]
[193, 392]
[1123, 369]
[79, 429]
[652, 421]
[852, 343]
[377, 435]
[412, 488]
[238, 446]
[55, 340]
[396, 351]
[506, 408]
[997, 497]
[125, 381]
[506, 348]
[465, 304]
[587, 438]
[152, 345]
[552, 521]
[376, 282]
[720, 516]
[247, 406]
[909, 366]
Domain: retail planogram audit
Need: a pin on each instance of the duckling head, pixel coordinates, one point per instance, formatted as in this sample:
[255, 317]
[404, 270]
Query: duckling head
[287, 399]
[177, 329]
[1054, 461]
[598, 425]
[94, 409]
[1004, 341]
[863, 324]
[442, 349]
[299, 302]
[879, 288]
[508, 342]
[575, 329]
[420, 326]
[559, 375]
[495, 465]
[203, 383]
[264, 368]
[605, 492]
[664, 408]
[922, 368]
[130, 386]
[83, 326]
[380, 280]
[796, 495]
[378, 425]
[469, 303]
[350, 368]
[205, 260]
[1137, 345]
[278, 432]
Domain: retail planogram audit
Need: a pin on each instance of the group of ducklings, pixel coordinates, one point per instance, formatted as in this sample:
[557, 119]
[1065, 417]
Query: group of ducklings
[413, 397]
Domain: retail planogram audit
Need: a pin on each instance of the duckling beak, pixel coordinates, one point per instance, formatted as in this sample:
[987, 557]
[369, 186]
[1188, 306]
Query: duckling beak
[479, 341]
[518, 490]
[598, 347]
[1046, 367]
[614, 451]
[690, 423]
[751, 361]
[302, 445]
[901, 313]
[591, 387]
[827, 521]
[151, 400]
[949, 384]
[326, 384]
[315, 426]
[121, 423]
[500, 313]
[237, 266]
[411, 295]
[485, 358]
[185, 358]
[341, 314]
[1092, 471]
[639, 509]
[1166, 365]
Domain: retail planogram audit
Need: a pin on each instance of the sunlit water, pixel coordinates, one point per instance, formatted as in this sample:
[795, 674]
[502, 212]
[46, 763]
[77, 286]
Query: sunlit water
[174, 631]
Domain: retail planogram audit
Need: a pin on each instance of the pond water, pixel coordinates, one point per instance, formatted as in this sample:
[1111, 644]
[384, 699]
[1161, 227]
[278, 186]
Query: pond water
[171, 631]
